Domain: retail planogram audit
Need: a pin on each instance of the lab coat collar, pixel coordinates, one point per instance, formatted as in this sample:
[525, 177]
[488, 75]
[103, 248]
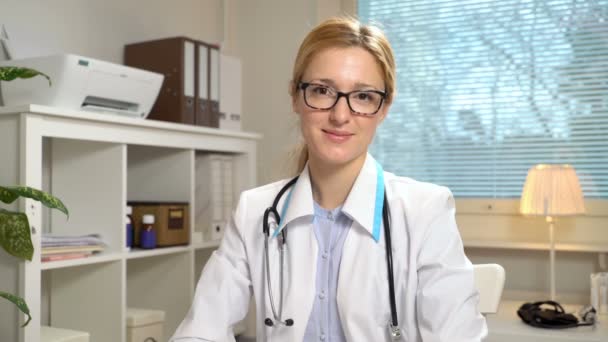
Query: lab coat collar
[365, 200]
[357, 205]
[298, 199]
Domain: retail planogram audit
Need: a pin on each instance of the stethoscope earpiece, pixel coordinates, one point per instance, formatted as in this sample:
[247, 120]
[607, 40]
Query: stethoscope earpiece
[268, 322]
[288, 322]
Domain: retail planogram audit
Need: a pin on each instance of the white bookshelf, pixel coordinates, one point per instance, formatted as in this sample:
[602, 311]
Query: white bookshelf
[95, 163]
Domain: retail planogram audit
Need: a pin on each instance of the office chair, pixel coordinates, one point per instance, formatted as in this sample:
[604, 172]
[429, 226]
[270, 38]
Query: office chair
[489, 281]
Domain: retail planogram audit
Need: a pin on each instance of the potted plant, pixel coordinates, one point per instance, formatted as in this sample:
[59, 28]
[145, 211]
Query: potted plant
[15, 236]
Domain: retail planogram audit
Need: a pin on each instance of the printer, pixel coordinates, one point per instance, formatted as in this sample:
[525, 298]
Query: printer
[85, 84]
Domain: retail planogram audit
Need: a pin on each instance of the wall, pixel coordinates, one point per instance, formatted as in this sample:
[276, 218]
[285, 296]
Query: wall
[100, 29]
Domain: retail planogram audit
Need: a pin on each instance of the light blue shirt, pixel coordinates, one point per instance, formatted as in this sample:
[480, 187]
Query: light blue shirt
[330, 227]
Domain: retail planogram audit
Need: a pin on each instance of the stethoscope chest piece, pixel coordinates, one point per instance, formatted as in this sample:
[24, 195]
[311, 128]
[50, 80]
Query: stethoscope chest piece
[394, 332]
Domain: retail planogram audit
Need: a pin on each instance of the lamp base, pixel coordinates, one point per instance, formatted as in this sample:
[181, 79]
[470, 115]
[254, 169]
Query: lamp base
[551, 256]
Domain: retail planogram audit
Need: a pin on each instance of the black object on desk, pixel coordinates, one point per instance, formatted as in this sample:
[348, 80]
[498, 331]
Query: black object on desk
[551, 315]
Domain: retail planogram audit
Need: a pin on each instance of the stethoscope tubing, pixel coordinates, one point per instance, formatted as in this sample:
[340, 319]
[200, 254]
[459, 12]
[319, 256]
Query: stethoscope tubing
[389, 261]
[277, 315]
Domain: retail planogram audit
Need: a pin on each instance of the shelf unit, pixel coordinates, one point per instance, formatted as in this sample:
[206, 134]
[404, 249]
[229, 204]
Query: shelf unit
[96, 163]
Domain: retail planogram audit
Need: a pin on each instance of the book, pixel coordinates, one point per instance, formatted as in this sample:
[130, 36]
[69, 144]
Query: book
[70, 249]
[65, 256]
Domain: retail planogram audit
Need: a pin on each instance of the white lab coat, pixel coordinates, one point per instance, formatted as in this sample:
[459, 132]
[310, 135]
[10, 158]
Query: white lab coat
[434, 285]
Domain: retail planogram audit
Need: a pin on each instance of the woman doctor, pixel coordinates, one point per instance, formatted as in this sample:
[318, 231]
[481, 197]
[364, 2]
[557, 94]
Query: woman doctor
[324, 273]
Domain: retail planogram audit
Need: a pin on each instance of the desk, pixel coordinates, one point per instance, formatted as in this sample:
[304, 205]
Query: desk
[506, 326]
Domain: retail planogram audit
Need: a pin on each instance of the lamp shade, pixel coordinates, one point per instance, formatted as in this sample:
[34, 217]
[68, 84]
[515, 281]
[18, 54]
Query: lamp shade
[552, 190]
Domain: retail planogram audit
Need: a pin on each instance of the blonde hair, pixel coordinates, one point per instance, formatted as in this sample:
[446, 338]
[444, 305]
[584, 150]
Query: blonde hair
[343, 32]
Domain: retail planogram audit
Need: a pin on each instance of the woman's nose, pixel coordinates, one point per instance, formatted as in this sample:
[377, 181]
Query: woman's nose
[340, 113]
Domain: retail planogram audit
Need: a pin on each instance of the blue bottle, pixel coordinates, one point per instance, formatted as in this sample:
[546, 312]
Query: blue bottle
[147, 238]
[129, 224]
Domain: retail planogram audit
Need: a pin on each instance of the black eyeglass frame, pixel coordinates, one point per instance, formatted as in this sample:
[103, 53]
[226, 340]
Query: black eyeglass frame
[339, 94]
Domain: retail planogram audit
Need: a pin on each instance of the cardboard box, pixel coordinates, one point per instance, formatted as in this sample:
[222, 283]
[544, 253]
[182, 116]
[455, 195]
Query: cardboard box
[145, 325]
[171, 222]
[52, 334]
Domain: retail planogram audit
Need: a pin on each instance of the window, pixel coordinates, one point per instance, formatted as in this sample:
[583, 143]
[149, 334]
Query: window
[487, 89]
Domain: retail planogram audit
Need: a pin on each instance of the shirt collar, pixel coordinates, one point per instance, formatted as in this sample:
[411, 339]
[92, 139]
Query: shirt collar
[357, 205]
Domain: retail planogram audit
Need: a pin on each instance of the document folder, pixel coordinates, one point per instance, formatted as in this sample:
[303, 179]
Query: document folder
[187, 66]
[230, 93]
[214, 85]
[202, 100]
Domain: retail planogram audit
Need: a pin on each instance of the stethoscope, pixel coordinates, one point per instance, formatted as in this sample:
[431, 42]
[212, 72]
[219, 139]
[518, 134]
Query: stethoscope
[394, 329]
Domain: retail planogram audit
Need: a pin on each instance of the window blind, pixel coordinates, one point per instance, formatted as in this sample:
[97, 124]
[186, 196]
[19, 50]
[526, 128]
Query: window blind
[487, 89]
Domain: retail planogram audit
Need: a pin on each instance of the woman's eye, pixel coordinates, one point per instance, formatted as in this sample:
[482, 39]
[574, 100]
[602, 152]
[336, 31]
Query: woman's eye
[363, 96]
[319, 90]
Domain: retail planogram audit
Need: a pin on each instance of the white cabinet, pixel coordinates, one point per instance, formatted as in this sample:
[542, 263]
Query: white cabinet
[96, 163]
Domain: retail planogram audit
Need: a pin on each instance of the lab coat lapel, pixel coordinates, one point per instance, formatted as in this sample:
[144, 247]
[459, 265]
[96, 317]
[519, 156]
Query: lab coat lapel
[300, 262]
[361, 200]
[362, 262]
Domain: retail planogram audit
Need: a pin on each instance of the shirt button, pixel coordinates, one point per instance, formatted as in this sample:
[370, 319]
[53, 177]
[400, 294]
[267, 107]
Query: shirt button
[322, 337]
[322, 295]
[324, 255]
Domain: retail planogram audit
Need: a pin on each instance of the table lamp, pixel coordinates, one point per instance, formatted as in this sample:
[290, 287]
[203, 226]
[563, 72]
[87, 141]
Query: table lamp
[551, 190]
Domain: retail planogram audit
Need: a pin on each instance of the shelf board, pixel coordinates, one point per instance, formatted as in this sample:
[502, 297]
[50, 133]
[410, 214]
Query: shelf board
[125, 120]
[538, 246]
[145, 253]
[93, 259]
[207, 244]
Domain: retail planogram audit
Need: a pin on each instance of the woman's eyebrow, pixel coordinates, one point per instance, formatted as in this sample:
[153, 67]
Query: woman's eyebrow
[332, 83]
[365, 85]
[327, 81]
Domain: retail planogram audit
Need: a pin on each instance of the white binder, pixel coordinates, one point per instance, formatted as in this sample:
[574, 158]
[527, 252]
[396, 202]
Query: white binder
[214, 193]
[230, 93]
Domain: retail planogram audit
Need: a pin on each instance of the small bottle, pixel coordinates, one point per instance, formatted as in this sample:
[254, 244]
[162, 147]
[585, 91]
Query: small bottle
[129, 224]
[148, 234]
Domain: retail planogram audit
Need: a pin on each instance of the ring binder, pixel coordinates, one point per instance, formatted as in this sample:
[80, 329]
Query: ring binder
[190, 92]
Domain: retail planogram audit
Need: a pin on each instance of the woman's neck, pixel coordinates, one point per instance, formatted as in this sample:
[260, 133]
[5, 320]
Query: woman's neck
[331, 184]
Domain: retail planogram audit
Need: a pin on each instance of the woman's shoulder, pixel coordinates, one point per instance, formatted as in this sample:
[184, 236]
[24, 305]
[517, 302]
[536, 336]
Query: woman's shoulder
[412, 188]
[265, 191]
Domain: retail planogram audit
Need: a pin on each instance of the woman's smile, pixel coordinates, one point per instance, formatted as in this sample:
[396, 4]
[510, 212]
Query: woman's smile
[337, 136]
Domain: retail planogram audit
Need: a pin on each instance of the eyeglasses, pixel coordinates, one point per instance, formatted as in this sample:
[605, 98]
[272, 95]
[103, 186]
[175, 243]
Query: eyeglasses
[322, 97]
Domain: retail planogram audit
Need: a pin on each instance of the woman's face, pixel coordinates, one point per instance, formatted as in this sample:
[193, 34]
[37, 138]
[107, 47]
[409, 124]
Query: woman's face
[337, 136]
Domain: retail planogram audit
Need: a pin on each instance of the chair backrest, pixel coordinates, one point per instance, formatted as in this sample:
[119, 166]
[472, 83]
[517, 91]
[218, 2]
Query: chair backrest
[489, 281]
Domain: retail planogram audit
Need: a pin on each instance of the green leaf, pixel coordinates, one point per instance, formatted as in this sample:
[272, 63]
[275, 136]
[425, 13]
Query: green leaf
[10, 73]
[15, 235]
[20, 303]
[7, 195]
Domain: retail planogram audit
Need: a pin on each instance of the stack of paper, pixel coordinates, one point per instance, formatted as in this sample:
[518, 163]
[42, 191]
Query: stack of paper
[62, 247]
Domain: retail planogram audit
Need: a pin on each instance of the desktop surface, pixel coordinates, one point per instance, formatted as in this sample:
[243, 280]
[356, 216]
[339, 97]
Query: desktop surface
[506, 326]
